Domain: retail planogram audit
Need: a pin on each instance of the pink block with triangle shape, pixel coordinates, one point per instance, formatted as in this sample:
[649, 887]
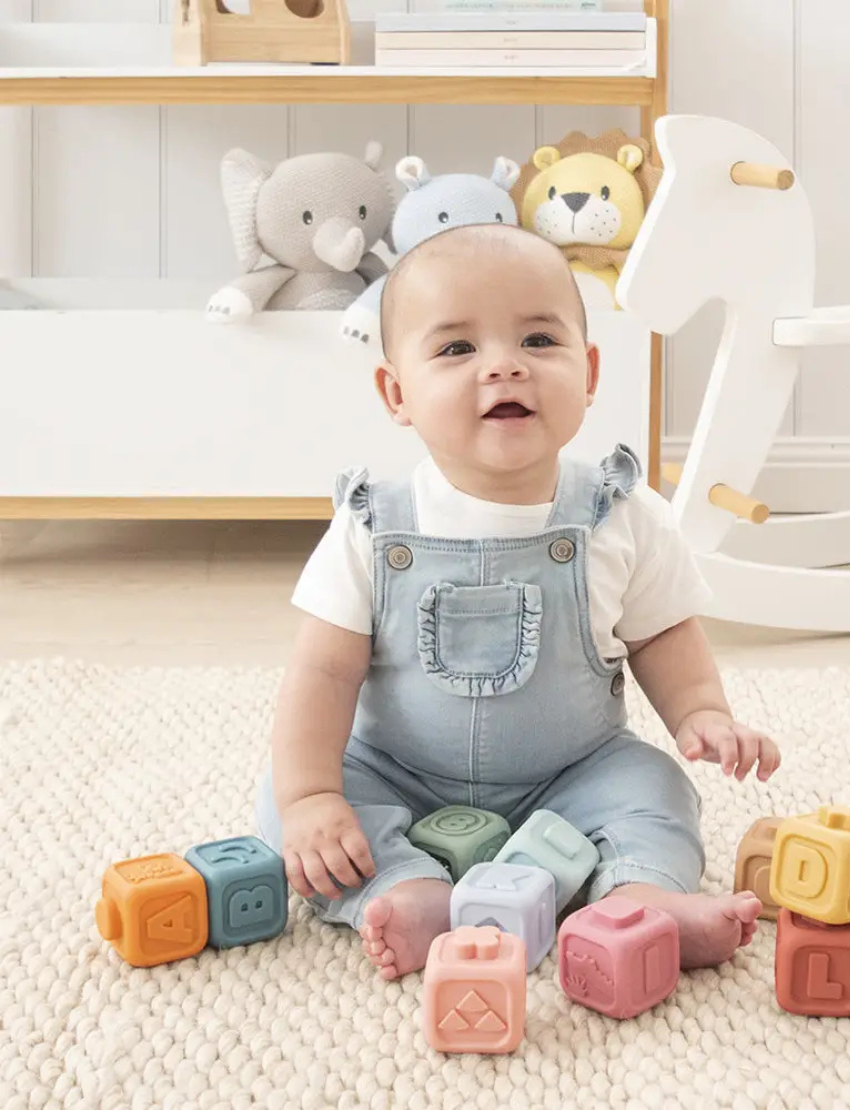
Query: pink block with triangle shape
[474, 991]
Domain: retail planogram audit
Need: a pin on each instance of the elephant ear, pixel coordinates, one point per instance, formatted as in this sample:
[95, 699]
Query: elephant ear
[242, 177]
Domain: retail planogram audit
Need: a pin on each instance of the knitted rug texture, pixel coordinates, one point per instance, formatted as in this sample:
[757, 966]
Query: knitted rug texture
[99, 764]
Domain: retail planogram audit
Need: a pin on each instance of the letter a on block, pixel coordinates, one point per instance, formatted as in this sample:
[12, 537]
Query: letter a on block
[173, 923]
[818, 984]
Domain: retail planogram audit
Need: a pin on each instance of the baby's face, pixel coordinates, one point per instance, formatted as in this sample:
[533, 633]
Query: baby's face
[489, 358]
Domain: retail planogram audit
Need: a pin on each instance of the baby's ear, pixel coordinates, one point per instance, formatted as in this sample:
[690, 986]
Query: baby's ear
[546, 156]
[412, 172]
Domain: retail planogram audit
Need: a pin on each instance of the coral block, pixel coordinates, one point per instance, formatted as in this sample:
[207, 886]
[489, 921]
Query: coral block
[473, 992]
[752, 864]
[548, 841]
[618, 957]
[460, 836]
[246, 889]
[810, 872]
[516, 899]
[812, 966]
[153, 909]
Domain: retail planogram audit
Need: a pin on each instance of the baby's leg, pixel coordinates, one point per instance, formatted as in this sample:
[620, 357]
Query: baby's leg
[641, 810]
[405, 905]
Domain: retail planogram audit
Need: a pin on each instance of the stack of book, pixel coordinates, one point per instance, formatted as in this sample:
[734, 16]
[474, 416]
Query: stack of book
[516, 36]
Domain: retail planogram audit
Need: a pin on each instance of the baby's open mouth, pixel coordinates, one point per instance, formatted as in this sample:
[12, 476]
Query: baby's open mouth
[507, 410]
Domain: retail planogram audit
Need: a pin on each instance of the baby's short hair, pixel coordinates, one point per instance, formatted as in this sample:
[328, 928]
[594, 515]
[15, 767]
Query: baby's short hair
[474, 236]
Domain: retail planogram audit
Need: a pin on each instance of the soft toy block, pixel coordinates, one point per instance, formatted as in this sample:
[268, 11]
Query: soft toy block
[246, 890]
[513, 898]
[810, 871]
[459, 836]
[752, 864]
[473, 991]
[812, 966]
[548, 841]
[618, 957]
[153, 909]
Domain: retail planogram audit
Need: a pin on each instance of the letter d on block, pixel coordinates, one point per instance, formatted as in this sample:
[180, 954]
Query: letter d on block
[805, 871]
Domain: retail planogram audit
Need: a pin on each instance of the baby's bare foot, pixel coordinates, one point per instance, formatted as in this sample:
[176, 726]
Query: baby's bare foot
[399, 926]
[710, 928]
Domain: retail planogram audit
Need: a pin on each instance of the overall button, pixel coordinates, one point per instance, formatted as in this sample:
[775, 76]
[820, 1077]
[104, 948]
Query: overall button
[562, 550]
[618, 684]
[400, 557]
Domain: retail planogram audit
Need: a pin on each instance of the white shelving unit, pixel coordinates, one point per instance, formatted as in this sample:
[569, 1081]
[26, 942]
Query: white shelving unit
[110, 412]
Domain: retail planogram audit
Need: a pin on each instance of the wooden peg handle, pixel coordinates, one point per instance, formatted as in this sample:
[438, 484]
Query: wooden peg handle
[724, 497]
[765, 177]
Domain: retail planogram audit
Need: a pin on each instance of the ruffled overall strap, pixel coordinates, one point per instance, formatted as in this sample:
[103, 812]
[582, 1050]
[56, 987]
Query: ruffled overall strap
[621, 471]
[586, 492]
[381, 506]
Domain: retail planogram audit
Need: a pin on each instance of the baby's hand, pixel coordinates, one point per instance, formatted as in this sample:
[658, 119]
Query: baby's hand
[323, 841]
[711, 735]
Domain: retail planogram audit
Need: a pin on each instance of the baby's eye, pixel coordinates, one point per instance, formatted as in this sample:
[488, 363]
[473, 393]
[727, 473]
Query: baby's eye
[456, 348]
[538, 339]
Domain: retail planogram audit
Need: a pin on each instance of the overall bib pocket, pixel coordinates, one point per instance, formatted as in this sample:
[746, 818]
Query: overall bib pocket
[478, 641]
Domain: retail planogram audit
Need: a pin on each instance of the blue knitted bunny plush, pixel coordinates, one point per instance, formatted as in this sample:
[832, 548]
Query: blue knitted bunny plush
[432, 205]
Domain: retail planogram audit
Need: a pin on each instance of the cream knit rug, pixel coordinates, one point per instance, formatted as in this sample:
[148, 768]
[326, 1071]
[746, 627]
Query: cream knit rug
[97, 764]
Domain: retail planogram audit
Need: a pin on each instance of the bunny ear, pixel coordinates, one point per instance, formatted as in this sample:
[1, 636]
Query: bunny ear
[374, 154]
[505, 173]
[242, 176]
[412, 172]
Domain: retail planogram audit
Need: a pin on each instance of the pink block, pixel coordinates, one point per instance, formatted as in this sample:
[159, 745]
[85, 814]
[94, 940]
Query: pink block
[618, 957]
[473, 991]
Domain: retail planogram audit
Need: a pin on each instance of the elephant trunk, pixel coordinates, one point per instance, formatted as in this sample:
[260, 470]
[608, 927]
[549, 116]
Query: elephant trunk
[340, 244]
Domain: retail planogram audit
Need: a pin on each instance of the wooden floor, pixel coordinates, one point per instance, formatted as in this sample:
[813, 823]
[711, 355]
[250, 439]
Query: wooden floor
[214, 594]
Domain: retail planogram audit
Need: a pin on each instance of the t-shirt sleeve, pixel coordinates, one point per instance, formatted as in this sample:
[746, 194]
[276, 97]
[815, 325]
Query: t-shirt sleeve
[666, 586]
[336, 583]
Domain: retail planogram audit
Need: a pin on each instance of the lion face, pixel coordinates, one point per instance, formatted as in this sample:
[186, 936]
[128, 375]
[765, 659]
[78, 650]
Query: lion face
[585, 198]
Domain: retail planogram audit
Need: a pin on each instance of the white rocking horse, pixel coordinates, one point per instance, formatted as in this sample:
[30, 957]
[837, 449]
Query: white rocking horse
[755, 250]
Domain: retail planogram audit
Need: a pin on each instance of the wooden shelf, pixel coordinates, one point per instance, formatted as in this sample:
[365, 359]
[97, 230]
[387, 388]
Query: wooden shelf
[322, 85]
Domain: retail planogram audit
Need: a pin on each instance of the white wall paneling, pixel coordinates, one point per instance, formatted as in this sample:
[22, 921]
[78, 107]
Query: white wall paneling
[196, 238]
[823, 159]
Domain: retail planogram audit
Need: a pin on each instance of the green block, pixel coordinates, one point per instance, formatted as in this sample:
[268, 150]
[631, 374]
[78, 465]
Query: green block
[460, 836]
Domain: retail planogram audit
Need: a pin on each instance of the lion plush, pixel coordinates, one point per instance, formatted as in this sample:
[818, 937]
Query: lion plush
[589, 196]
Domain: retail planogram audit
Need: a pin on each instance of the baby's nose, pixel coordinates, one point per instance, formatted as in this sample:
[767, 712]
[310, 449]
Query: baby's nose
[507, 368]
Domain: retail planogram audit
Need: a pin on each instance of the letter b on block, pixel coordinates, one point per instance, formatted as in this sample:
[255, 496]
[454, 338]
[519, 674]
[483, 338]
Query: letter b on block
[246, 890]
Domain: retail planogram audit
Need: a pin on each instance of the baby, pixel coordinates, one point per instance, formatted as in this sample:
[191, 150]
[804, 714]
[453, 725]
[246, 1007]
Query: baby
[466, 629]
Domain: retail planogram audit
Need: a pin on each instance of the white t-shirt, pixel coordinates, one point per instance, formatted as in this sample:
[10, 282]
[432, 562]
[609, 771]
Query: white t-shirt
[641, 574]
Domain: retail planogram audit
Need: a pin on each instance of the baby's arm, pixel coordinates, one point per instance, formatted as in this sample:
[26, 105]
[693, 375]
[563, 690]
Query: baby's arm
[322, 838]
[677, 672]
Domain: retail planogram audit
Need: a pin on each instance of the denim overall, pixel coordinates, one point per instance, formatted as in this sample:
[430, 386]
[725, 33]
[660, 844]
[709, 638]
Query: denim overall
[486, 689]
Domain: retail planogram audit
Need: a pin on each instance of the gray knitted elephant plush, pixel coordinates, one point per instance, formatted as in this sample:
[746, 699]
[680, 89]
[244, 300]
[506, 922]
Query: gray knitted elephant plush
[432, 205]
[303, 231]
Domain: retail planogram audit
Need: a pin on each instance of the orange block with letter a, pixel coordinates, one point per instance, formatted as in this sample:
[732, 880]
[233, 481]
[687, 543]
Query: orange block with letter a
[153, 909]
